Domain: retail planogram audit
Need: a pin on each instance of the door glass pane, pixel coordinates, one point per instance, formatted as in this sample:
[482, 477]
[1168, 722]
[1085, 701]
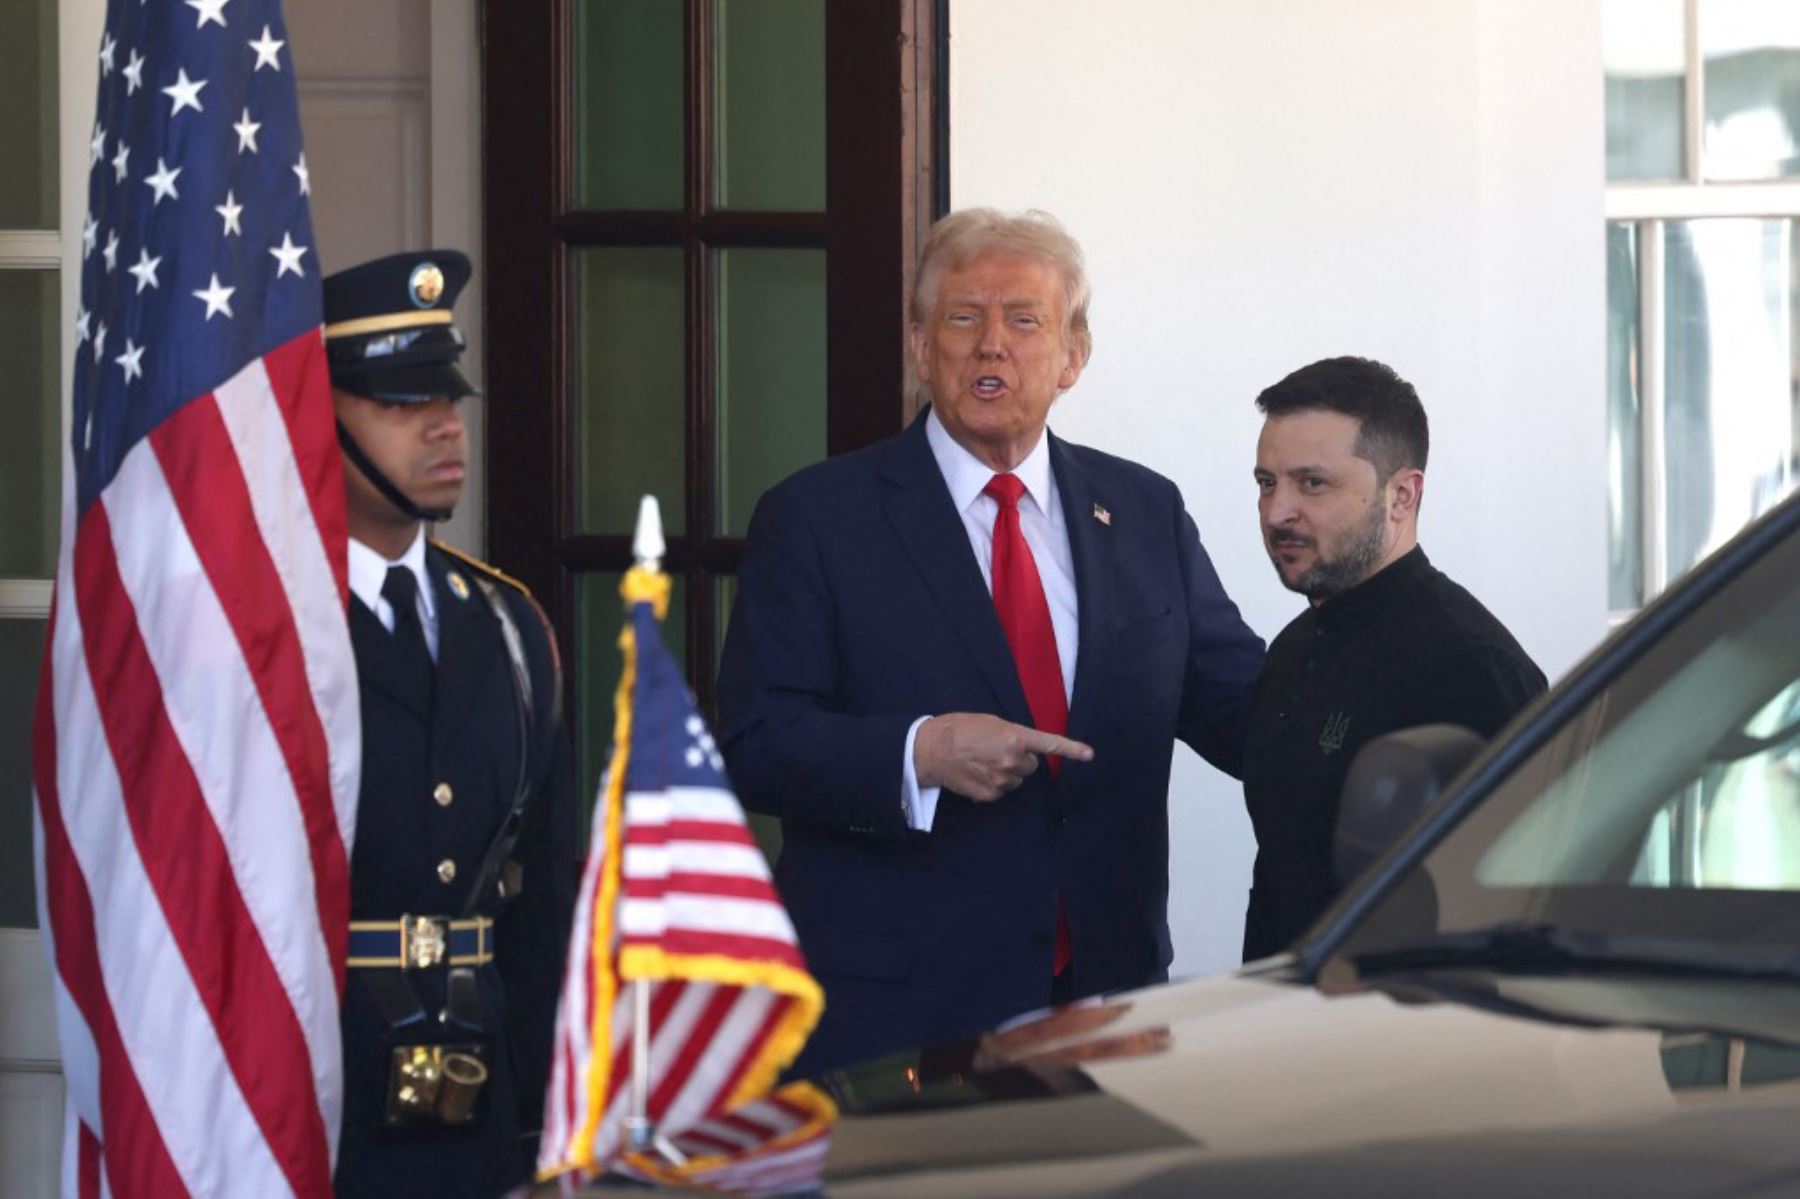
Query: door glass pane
[599, 617]
[1624, 478]
[1646, 77]
[30, 453]
[727, 585]
[766, 829]
[770, 86]
[631, 393]
[1731, 331]
[1752, 57]
[628, 96]
[771, 373]
[28, 113]
[21, 656]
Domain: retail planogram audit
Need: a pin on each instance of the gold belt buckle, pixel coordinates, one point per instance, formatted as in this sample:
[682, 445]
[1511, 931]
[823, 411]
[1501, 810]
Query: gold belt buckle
[424, 941]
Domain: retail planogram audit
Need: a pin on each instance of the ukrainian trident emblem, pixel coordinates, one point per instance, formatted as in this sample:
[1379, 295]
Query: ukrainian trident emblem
[1332, 739]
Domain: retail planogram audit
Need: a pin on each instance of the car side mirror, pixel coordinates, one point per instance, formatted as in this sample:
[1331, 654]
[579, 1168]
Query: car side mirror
[1392, 781]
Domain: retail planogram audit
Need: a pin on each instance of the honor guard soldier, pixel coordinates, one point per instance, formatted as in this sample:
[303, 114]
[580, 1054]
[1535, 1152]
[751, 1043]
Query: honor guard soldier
[462, 875]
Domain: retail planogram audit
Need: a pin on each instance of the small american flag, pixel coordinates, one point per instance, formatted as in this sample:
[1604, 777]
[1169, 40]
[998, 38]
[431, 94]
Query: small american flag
[197, 741]
[676, 897]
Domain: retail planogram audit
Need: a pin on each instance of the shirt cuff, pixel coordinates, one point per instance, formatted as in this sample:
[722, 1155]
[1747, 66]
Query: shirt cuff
[919, 803]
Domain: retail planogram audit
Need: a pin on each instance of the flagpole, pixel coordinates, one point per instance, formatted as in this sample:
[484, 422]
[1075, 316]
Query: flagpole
[647, 547]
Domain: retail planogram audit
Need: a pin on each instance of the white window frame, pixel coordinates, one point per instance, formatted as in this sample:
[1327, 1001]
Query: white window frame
[1648, 206]
[30, 1062]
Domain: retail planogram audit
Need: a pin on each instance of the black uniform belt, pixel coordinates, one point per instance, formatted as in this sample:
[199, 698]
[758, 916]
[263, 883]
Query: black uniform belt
[419, 942]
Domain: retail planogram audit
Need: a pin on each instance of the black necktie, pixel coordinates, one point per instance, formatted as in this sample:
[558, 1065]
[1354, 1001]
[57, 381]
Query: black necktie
[401, 591]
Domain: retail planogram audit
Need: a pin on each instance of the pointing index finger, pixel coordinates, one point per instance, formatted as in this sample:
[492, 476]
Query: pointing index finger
[1062, 747]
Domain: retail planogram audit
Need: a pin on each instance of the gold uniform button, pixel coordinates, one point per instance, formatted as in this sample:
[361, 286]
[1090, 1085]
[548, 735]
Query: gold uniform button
[443, 794]
[446, 871]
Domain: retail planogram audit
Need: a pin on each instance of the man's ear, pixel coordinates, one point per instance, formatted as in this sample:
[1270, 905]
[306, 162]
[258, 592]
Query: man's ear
[1408, 484]
[1072, 368]
[915, 339]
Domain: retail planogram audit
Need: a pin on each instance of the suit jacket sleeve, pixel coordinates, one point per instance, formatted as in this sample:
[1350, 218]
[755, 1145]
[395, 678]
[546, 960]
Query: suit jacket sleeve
[797, 744]
[1224, 659]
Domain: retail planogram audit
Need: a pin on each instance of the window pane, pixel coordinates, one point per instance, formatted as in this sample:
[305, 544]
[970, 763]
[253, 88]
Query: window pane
[1752, 54]
[599, 617]
[727, 594]
[1624, 479]
[766, 829]
[628, 94]
[21, 655]
[1749, 806]
[1646, 77]
[771, 373]
[631, 393]
[28, 112]
[771, 104]
[1730, 377]
[30, 453]
[1736, 824]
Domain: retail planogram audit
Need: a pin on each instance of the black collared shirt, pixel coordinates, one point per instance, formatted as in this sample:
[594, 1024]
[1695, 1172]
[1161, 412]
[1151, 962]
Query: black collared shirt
[1405, 647]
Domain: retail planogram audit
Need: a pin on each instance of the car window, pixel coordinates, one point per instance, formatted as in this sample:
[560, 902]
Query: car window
[1737, 822]
[1669, 804]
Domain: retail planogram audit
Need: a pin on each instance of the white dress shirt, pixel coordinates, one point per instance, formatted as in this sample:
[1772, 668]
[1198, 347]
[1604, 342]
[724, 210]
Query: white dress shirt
[368, 574]
[1041, 521]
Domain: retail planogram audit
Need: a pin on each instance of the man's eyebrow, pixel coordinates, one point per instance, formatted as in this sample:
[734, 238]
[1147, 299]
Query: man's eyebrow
[956, 300]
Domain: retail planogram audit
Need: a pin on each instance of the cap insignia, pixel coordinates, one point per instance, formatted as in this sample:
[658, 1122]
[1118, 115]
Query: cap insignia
[425, 285]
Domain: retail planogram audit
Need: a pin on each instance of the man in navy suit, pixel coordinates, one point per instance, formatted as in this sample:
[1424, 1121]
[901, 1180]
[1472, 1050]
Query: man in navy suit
[957, 667]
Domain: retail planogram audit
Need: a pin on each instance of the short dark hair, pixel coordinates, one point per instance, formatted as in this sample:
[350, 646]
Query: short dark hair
[1394, 433]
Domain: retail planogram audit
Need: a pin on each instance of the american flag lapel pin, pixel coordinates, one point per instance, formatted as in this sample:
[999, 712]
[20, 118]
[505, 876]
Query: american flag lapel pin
[1103, 516]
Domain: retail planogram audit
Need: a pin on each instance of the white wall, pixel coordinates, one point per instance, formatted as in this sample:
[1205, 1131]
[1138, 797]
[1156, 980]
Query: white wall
[1262, 183]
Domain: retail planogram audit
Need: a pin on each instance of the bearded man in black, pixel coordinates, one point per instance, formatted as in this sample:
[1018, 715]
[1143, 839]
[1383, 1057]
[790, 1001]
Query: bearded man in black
[1387, 641]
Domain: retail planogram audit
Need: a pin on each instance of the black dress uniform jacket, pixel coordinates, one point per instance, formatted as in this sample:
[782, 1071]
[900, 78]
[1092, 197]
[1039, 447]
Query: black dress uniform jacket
[1407, 646]
[464, 736]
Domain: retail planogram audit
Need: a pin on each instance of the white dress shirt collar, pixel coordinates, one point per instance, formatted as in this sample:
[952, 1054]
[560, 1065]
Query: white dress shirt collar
[368, 574]
[966, 475]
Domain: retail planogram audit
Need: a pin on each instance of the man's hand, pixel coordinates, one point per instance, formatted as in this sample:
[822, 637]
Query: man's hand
[984, 757]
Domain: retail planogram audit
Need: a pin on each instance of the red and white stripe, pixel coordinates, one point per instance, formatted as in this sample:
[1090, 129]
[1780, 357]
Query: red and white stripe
[695, 880]
[774, 1146]
[197, 756]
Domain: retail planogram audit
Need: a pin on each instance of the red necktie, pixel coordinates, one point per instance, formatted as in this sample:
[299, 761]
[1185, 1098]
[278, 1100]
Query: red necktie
[1025, 619]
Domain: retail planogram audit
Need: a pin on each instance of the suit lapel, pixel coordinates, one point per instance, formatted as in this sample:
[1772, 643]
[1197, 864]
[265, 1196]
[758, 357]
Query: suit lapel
[379, 664]
[1091, 547]
[465, 653]
[929, 527]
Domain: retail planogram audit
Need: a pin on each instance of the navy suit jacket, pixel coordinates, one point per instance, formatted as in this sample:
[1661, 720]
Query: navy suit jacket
[861, 608]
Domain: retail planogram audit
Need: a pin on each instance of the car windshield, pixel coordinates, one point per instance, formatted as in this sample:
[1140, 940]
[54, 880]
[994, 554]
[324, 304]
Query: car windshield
[1667, 808]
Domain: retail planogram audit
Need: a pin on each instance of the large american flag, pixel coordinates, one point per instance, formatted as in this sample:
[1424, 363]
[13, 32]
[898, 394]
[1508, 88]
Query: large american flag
[197, 743]
[676, 898]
